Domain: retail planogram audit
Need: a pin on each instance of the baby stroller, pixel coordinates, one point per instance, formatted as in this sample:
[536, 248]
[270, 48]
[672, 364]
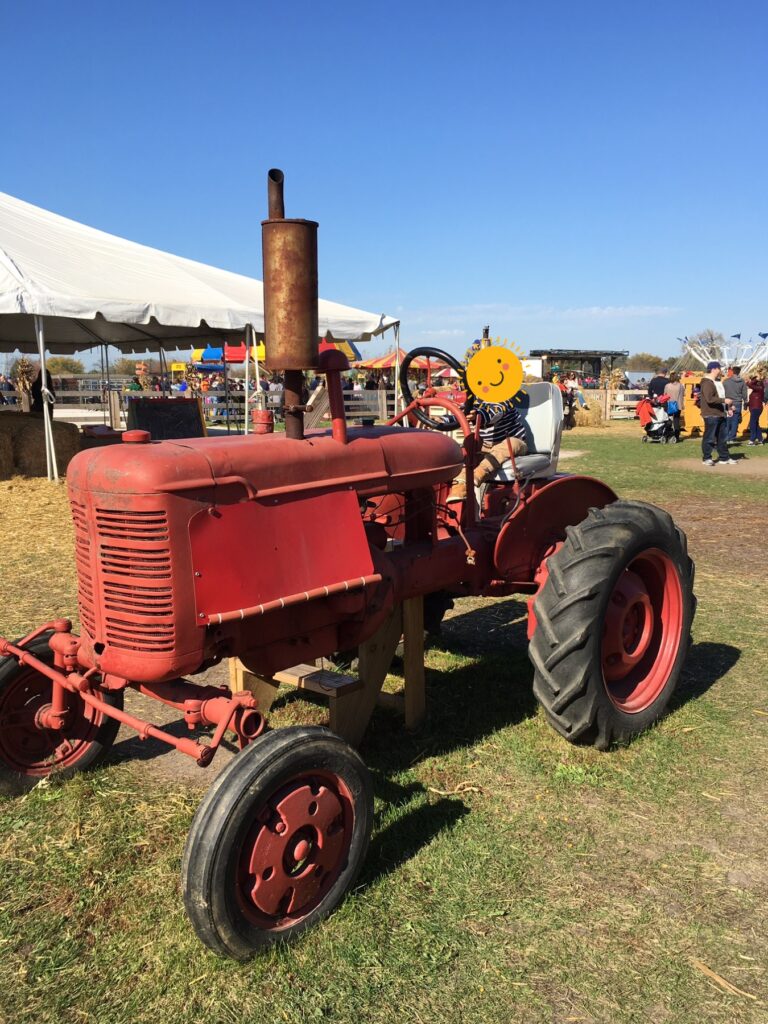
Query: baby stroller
[656, 421]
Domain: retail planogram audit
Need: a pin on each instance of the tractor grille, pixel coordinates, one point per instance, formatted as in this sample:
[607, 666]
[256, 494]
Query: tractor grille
[135, 563]
[83, 563]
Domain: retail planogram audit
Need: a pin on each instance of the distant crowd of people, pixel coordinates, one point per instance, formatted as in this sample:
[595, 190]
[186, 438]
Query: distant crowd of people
[570, 386]
[6, 385]
[722, 401]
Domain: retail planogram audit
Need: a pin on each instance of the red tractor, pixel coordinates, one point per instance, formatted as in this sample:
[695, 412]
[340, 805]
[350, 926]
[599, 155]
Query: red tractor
[343, 525]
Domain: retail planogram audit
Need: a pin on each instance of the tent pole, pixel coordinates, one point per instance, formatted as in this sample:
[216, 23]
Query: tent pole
[256, 371]
[50, 451]
[41, 353]
[163, 367]
[109, 393]
[397, 369]
[247, 375]
[103, 396]
[226, 389]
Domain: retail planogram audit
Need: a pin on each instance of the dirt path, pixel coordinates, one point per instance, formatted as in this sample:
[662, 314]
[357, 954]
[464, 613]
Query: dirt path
[721, 532]
[756, 468]
[162, 762]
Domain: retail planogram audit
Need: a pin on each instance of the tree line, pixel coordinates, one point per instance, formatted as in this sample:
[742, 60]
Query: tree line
[68, 366]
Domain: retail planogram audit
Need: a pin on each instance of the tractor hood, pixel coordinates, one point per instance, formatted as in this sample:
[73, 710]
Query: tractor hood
[374, 461]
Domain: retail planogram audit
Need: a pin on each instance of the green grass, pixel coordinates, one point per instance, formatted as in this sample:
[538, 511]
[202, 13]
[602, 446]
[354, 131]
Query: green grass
[617, 455]
[511, 877]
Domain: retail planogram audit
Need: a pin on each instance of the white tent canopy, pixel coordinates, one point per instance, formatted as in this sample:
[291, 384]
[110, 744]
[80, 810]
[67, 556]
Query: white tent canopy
[94, 288]
[66, 287]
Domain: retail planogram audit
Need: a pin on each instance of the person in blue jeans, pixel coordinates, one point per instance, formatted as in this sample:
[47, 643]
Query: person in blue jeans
[756, 399]
[736, 389]
[714, 404]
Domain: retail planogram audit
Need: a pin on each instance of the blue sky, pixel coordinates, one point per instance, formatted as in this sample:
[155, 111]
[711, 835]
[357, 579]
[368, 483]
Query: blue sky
[573, 173]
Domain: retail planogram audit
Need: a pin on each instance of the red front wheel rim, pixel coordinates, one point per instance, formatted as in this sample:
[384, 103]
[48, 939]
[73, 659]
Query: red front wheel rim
[26, 748]
[642, 631]
[295, 851]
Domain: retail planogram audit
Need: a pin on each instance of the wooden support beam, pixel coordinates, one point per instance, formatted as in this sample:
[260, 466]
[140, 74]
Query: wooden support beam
[350, 714]
[316, 680]
[263, 688]
[351, 700]
[413, 659]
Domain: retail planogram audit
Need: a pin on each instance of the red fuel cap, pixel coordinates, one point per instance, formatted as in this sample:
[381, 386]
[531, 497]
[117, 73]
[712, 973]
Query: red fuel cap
[136, 437]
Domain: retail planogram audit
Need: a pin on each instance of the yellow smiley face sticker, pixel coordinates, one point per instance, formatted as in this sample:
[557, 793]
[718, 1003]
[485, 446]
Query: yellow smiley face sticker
[494, 374]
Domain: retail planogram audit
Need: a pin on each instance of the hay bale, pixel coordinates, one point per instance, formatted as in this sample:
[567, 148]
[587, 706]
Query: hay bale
[6, 457]
[29, 445]
[11, 423]
[589, 417]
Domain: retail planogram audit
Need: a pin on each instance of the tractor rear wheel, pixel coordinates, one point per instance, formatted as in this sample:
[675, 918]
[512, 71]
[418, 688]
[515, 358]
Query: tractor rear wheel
[277, 841]
[28, 752]
[612, 623]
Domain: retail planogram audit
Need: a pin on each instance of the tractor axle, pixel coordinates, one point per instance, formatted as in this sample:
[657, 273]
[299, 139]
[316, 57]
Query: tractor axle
[200, 705]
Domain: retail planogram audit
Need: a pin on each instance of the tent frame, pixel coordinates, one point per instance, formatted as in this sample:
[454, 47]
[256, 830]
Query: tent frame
[250, 336]
[48, 400]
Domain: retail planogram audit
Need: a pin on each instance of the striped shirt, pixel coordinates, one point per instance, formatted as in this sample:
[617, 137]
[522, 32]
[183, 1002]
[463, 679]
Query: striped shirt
[500, 420]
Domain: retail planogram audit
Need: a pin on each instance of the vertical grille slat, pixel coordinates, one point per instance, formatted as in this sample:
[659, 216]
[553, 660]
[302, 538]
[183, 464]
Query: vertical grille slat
[83, 563]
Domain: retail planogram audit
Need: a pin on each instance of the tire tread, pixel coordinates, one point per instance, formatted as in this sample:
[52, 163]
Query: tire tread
[564, 650]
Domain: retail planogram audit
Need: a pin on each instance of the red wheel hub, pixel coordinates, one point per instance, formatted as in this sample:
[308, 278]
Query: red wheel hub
[28, 748]
[642, 631]
[628, 626]
[296, 850]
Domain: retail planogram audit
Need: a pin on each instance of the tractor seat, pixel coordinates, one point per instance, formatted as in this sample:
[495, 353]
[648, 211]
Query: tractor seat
[541, 407]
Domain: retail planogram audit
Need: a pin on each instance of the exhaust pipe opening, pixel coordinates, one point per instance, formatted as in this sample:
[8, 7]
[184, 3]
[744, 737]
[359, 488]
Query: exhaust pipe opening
[276, 200]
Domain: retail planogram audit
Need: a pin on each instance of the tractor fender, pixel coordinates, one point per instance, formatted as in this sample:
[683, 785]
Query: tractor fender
[540, 520]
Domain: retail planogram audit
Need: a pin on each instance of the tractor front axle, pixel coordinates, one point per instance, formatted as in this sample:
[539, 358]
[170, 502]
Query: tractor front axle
[200, 705]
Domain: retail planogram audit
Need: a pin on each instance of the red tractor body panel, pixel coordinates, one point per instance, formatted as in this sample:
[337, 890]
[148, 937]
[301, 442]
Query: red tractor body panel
[539, 522]
[260, 551]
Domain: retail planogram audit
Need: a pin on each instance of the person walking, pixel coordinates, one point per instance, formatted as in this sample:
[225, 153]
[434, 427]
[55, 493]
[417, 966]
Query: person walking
[675, 392]
[736, 389]
[713, 404]
[755, 406]
[658, 383]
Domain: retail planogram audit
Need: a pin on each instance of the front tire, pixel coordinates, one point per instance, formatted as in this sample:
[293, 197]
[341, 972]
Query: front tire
[278, 840]
[613, 620]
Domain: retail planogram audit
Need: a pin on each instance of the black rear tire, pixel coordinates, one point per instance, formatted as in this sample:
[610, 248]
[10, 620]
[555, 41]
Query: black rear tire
[613, 622]
[278, 840]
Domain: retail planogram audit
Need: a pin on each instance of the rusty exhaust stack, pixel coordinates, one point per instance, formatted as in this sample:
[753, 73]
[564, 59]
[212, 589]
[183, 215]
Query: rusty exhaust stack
[290, 299]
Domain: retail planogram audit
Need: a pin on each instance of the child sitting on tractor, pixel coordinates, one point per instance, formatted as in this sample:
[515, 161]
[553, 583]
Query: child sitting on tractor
[501, 431]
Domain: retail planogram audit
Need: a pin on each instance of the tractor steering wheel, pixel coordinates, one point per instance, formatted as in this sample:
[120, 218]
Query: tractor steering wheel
[446, 422]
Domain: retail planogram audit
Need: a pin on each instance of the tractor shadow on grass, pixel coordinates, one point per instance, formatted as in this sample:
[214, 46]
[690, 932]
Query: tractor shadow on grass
[465, 705]
[706, 663]
[470, 701]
